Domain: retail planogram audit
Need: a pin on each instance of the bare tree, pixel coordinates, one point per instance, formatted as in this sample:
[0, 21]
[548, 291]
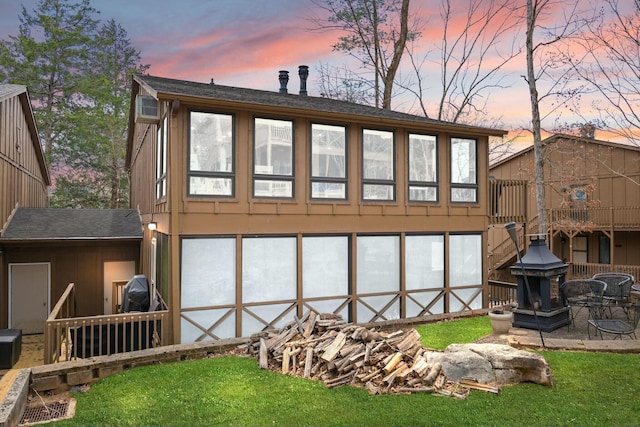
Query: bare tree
[610, 64]
[470, 58]
[339, 82]
[376, 33]
[544, 67]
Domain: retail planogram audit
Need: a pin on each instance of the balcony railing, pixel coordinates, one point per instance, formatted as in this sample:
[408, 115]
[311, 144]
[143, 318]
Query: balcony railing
[508, 201]
[67, 337]
[587, 270]
[625, 217]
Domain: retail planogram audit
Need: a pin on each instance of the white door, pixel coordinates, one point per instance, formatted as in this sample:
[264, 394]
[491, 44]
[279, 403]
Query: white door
[29, 286]
[115, 271]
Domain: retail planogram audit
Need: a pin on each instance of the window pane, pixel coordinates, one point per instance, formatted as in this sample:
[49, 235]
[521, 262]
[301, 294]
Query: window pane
[377, 192]
[328, 151]
[423, 194]
[218, 186]
[422, 158]
[328, 190]
[463, 161]
[465, 260]
[463, 195]
[377, 160]
[272, 188]
[325, 266]
[273, 153]
[269, 269]
[211, 142]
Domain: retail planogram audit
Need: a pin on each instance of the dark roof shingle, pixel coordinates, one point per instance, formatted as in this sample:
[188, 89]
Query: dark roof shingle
[72, 224]
[178, 88]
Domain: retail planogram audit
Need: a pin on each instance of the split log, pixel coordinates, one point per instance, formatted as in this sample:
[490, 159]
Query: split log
[391, 365]
[308, 362]
[433, 374]
[470, 383]
[311, 324]
[332, 350]
[263, 355]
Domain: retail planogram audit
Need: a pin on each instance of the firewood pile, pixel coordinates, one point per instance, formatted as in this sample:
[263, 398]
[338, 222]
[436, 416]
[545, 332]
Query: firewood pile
[324, 347]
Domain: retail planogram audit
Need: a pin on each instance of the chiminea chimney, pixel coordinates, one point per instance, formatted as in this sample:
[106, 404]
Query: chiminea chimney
[303, 72]
[284, 79]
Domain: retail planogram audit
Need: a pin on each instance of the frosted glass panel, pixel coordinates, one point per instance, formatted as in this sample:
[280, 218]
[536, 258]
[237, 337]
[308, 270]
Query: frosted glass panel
[378, 264]
[208, 272]
[465, 260]
[268, 269]
[325, 266]
[424, 262]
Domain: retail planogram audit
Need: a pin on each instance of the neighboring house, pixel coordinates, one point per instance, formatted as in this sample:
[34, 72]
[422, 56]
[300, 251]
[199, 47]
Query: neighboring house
[592, 191]
[42, 250]
[46, 249]
[266, 205]
[24, 178]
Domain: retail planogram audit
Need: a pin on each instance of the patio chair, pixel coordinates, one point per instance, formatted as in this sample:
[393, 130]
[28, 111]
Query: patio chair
[618, 290]
[617, 327]
[581, 293]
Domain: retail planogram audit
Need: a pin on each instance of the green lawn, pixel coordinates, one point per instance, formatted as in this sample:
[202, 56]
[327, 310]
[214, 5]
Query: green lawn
[590, 390]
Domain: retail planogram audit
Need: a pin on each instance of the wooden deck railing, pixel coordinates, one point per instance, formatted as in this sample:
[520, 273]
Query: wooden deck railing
[508, 201]
[586, 270]
[624, 217]
[502, 293]
[67, 337]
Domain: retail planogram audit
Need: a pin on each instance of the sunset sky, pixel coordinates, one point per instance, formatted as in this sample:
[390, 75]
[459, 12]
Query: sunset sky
[246, 42]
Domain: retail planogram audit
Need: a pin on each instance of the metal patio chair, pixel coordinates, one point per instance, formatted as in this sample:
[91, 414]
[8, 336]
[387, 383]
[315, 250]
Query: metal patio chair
[581, 293]
[617, 327]
[618, 290]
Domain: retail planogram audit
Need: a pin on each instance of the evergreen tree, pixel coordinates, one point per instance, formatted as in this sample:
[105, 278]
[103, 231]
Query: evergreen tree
[79, 76]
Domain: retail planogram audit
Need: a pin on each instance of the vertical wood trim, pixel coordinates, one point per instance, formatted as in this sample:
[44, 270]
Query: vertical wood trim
[447, 276]
[403, 277]
[353, 292]
[174, 195]
[300, 301]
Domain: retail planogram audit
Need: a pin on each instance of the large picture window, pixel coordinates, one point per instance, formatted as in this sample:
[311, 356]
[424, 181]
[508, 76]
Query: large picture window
[378, 171]
[273, 158]
[423, 171]
[161, 160]
[328, 162]
[464, 179]
[211, 153]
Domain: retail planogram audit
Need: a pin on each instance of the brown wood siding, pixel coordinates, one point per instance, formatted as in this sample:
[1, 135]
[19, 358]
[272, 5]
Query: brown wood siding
[180, 215]
[612, 171]
[80, 263]
[21, 179]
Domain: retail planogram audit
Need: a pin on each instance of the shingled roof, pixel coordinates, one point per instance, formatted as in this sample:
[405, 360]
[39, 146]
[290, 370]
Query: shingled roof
[161, 87]
[38, 224]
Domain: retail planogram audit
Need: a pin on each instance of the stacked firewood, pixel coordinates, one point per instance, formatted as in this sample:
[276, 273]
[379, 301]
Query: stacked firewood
[325, 348]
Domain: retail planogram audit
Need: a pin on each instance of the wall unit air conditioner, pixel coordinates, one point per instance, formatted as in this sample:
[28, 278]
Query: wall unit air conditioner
[147, 109]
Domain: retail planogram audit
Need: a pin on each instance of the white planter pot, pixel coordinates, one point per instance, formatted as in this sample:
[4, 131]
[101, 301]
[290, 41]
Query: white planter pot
[501, 322]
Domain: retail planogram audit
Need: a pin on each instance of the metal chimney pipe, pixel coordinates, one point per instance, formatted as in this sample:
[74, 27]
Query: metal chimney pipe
[284, 79]
[303, 72]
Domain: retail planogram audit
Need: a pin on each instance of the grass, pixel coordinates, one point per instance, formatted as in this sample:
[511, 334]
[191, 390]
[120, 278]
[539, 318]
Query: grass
[591, 389]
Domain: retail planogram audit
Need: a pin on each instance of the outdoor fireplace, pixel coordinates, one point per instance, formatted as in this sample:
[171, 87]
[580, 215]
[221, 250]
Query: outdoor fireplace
[544, 273]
